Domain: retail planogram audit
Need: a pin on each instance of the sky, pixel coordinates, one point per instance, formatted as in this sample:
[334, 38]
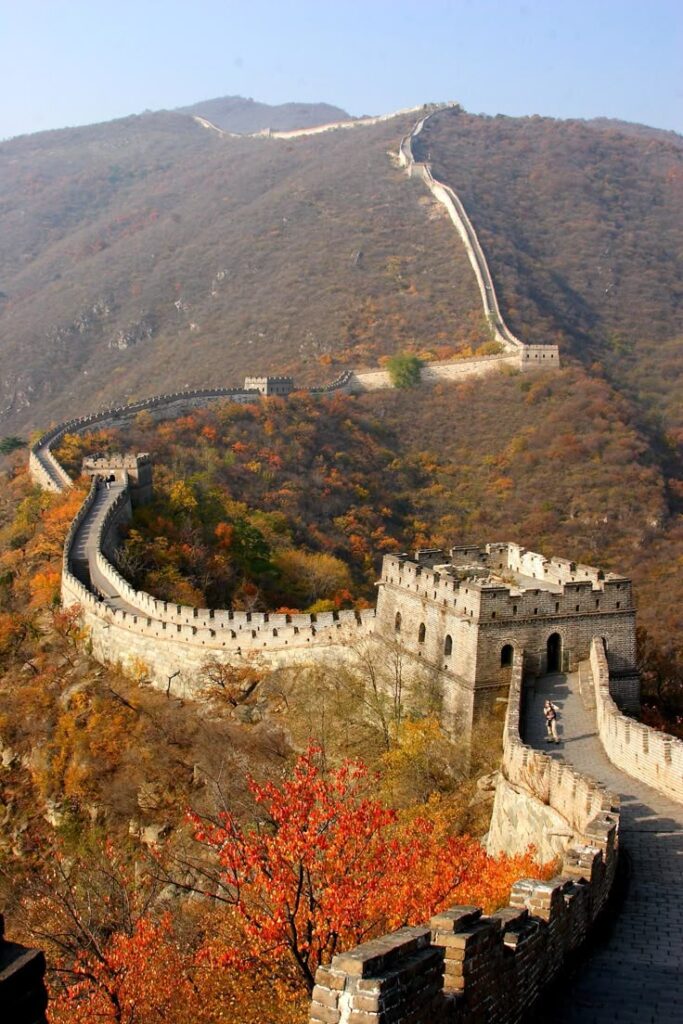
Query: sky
[71, 62]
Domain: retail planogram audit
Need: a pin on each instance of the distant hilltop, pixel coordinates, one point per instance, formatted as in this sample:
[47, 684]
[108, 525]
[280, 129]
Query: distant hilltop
[244, 116]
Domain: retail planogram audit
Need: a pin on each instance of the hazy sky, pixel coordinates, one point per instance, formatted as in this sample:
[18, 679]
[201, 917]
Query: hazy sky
[67, 62]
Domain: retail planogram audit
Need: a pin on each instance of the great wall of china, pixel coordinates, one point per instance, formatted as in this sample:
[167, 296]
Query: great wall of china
[463, 966]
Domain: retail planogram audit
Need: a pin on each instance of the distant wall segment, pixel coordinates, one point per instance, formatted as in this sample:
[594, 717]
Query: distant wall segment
[529, 355]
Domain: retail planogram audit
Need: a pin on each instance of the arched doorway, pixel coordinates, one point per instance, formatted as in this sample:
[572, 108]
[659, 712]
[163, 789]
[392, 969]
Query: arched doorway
[448, 646]
[506, 655]
[554, 653]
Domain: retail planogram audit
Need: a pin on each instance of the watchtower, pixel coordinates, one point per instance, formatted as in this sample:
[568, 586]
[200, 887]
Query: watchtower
[270, 385]
[464, 614]
[135, 471]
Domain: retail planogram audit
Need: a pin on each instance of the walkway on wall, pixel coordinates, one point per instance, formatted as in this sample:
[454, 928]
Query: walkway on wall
[634, 975]
[84, 550]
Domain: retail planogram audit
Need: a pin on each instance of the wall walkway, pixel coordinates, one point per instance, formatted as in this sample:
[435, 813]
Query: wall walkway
[634, 975]
[464, 968]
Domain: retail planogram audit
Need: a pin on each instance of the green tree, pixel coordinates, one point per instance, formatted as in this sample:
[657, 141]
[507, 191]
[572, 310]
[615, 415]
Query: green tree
[11, 444]
[404, 370]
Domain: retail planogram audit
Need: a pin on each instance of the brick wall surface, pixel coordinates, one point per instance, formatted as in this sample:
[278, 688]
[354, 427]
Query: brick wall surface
[653, 757]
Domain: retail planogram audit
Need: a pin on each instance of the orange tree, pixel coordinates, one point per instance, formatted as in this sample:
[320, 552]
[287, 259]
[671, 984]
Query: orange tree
[328, 866]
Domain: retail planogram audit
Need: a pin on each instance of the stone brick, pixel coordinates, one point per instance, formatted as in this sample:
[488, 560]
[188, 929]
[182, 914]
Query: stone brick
[324, 1014]
[328, 997]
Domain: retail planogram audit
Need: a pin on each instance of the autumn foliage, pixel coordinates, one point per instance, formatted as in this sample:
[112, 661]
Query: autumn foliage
[328, 866]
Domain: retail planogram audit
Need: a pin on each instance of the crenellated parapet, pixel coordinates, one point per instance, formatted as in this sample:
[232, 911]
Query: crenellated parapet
[649, 755]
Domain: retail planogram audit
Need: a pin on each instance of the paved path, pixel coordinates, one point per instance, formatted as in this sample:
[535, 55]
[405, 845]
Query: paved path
[635, 973]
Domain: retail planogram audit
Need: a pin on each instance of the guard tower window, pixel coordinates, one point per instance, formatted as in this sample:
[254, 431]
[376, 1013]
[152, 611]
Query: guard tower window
[397, 622]
[448, 646]
[506, 655]
[421, 633]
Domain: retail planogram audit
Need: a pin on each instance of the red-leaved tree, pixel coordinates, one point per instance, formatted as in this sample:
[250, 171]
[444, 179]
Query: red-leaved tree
[328, 866]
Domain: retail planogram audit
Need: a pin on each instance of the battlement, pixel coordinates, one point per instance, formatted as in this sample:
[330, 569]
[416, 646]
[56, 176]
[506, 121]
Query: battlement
[505, 581]
[101, 463]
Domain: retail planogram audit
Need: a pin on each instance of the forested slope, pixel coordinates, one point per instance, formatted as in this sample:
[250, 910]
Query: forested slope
[150, 253]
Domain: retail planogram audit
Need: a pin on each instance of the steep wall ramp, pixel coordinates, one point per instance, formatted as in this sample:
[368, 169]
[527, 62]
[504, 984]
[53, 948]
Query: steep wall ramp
[444, 194]
[467, 968]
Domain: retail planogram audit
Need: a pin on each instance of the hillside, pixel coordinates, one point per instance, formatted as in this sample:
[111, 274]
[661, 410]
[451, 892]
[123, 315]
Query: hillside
[555, 462]
[151, 252]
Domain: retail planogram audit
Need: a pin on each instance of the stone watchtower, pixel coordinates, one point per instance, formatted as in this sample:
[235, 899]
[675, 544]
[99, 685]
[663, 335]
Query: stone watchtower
[465, 614]
[270, 385]
[135, 471]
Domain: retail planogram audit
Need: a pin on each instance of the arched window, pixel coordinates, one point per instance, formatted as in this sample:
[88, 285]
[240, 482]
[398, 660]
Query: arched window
[397, 622]
[506, 655]
[448, 646]
[421, 633]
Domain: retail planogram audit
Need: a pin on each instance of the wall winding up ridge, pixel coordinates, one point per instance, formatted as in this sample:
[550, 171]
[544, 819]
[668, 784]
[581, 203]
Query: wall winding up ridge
[464, 966]
[529, 354]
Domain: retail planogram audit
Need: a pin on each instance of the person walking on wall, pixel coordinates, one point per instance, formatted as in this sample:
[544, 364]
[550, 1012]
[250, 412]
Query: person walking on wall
[550, 711]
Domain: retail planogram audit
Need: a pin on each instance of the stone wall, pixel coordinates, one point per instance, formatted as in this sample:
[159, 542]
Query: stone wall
[468, 968]
[433, 373]
[653, 757]
[166, 642]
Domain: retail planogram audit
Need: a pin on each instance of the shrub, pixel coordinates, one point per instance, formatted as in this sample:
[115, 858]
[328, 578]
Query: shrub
[404, 370]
